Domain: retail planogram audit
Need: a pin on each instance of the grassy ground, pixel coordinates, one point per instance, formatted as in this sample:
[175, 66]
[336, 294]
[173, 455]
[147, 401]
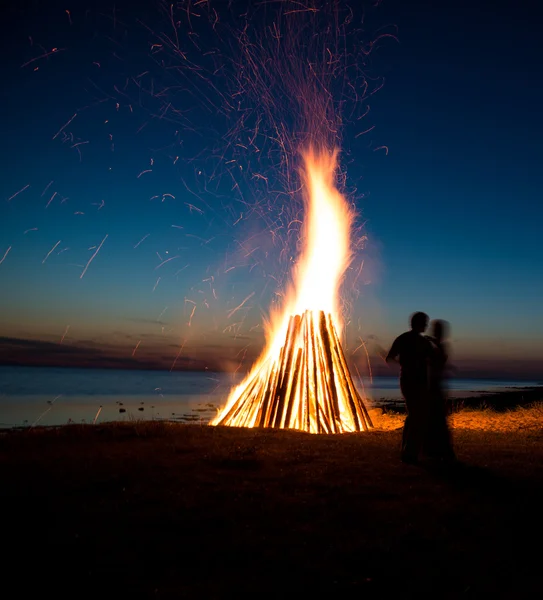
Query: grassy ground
[184, 511]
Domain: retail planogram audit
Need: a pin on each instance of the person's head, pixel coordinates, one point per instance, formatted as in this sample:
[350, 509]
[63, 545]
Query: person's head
[419, 322]
[440, 329]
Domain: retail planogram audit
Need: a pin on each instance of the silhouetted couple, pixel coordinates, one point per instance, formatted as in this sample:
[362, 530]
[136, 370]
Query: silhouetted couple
[423, 361]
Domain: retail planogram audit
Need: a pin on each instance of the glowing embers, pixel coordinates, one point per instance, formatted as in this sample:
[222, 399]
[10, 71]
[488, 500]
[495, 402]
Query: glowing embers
[308, 386]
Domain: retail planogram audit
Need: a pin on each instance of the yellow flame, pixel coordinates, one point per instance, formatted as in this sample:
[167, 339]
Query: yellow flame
[317, 277]
[326, 255]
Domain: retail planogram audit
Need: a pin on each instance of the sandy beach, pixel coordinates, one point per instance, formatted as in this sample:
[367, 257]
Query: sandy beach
[169, 510]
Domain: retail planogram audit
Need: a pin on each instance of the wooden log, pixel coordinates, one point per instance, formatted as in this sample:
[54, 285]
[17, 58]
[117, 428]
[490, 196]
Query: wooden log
[362, 404]
[329, 377]
[362, 413]
[305, 422]
[239, 402]
[270, 392]
[345, 376]
[325, 396]
[318, 407]
[262, 401]
[330, 366]
[289, 359]
[292, 392]
[282, 368]
[245, 403]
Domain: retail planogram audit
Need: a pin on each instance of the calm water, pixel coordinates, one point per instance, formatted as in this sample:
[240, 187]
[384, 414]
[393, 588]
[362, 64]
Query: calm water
[46, 396]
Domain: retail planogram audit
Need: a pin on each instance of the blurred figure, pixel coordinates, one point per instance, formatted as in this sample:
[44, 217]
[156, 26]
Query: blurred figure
[438, 442]
[414, 351]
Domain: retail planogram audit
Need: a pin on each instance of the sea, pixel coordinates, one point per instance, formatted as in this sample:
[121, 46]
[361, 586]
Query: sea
[44, 396]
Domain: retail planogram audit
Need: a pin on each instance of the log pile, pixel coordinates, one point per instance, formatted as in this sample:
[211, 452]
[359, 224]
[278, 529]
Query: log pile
[307, 387]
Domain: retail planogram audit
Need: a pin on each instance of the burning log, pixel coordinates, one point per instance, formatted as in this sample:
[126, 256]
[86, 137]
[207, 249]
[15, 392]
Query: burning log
[309, 387]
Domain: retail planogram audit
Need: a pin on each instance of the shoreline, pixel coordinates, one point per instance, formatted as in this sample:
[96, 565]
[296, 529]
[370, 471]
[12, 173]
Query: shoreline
[499, 401]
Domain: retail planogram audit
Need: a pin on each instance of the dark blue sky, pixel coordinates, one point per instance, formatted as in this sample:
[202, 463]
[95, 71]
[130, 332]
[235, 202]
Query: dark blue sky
[451, 207]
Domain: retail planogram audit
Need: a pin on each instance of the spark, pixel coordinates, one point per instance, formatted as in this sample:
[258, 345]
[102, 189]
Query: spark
[240, 305]
[136, 347]
[64, 334]
[5, 254]
[191, 315]
[182, 269]
[45, 55]
[146, 171]
[143, 238]
[177, 356]
[47, 187]
[19, 192]
[165, 261]
[191, 207]
[364, 132]
[156, 284]
[64, 126]
[50, 252]
[92, 257]
[160, 315]
[385, 148]
[50, 200]
[45, 412]
[177, 226]
[32, 229]
[363, 345]
[69, 16]
[96, 417]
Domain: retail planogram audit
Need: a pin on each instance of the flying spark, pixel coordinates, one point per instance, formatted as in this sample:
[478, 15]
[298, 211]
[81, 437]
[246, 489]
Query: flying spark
[5, 254]
[48, 254]
[64, 334]
[92, 257]
[19, 192]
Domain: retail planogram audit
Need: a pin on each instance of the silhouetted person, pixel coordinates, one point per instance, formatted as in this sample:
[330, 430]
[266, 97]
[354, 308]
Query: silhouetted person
[413, 351]
[438, 441]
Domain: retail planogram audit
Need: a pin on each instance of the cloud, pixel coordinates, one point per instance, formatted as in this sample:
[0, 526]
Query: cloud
[146, 321]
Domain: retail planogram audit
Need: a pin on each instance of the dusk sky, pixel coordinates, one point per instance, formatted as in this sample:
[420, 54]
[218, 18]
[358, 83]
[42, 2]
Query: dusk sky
[133, 223]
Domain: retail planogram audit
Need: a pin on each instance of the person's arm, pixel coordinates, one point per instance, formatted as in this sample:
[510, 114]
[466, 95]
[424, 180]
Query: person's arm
[393, 352]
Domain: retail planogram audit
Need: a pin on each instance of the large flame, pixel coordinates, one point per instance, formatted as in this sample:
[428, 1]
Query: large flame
[301, 380]
[326, 254]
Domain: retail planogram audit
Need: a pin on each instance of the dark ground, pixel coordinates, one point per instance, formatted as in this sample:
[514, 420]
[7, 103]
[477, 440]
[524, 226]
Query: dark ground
[184, 511]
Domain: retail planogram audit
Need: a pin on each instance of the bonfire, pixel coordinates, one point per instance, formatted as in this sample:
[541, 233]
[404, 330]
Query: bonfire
[301, 380]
